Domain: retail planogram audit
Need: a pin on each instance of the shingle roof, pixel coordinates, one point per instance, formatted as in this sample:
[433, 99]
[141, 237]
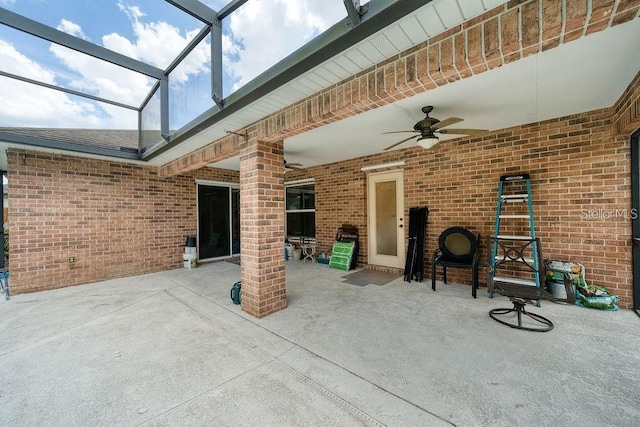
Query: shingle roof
[114, 139]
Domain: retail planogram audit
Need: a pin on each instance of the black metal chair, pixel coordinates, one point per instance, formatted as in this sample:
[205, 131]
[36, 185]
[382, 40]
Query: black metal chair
[457, 248]
[512, 255]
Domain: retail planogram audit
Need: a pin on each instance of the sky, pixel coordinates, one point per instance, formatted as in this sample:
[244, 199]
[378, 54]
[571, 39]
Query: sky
[255, 37]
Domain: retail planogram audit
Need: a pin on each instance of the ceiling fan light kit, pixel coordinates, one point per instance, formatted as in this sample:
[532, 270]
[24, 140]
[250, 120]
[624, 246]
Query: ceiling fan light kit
[428, 142]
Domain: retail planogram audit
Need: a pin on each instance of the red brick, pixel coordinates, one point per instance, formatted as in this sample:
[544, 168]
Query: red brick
[596, 26]
[446, 60]
[571, 36]
[461, 65]
[411, 71]
[422, 70]
[510, 37]
[530, 29]
[433, 65]
[492, 51]
[626, 11]
[474, 50]
[601, 10]
[576, 12]
[551, 19]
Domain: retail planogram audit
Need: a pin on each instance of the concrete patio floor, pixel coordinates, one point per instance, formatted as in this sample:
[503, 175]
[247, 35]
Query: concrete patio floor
[172, 349]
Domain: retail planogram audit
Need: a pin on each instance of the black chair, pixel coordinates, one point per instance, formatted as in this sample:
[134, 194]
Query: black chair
[510, 253]
[457, 248]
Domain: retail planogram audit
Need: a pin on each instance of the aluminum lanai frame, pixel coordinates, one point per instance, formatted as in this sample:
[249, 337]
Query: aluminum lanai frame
[360, 23]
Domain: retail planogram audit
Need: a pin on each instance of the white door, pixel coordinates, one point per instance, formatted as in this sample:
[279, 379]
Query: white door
[386, 222]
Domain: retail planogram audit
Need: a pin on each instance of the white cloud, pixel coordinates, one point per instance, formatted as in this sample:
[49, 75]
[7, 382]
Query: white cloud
[16, 63]
[7, 2]
[263, 33]
[72, 28]
[102, 78]
[158, 43]
[26, 105]
[133, 12]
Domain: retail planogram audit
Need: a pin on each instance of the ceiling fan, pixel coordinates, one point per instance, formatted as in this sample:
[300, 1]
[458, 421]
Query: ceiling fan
[429, 126]
[294, 166]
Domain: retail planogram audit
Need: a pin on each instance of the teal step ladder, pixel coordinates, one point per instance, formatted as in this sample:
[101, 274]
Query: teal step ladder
[514, 190]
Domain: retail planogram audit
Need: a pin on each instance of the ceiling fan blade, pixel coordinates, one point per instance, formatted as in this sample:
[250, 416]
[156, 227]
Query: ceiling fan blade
[463, 131]
[398, 143]
[446, 122]
[401, 131]
[292, 166]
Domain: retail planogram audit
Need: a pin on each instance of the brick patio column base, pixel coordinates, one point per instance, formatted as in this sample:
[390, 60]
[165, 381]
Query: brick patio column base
[262, 214]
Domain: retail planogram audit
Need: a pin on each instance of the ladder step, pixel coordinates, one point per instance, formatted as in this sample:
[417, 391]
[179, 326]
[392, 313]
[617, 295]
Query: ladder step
[504, 237]
[515, 216]
[514, 280]
[510, 178]
[527, 260]
[514, 197]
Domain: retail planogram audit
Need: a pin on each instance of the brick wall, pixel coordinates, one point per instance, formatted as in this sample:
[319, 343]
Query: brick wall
[116, 219]
[580, 175]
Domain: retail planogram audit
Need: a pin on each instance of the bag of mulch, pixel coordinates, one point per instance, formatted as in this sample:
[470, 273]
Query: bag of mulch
[602, 303]
[590, 296]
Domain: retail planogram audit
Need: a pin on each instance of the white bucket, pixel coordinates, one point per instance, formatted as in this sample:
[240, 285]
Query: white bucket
[296, 254]
[189, 250]
[190, 260]
[289, 249]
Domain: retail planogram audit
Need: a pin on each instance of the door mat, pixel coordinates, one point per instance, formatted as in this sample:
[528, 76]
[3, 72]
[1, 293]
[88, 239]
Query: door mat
[366, 277]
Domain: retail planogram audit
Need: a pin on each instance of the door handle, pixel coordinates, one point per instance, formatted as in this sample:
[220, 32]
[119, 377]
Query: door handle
[636, 241]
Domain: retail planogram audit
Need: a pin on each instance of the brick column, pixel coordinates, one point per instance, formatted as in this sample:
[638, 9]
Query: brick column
[262, 227]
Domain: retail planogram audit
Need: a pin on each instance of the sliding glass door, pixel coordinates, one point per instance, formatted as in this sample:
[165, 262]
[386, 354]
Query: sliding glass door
[218, 221]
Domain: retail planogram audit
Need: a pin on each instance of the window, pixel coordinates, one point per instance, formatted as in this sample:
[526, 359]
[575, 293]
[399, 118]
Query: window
[301, 210]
